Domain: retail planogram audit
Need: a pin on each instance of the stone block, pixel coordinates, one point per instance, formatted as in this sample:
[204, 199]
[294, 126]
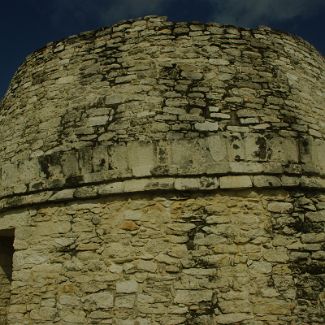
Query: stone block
[125, 301]
[69, 162]
[128, 225]
[207, 126]
[266, 181]
[130, 286]
[136, 185]
[34, 198]
[85, 192]
[191, 297]
[284, 149]
[228, 182]
[280, 207]
[318, 216]
[276, 255]
[69, 300]
[43, 314]
[116, 187]
[62, 195]
[209, 183]
[261, 267]
[220, 115]
[183, 184]
[65, 80]
[313, 237]
[312, 182]
[141, 158]
[114, 99]
[166, 183]
[102, 300]
[273, 308]
[232, 318]
[217, 147]
[73, 316]
[97, 120]
[148, 266]
[290, 180]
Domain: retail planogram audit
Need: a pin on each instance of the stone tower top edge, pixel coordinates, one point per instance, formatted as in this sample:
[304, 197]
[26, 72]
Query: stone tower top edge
[157, 18]
[75, 38]
[167, 105]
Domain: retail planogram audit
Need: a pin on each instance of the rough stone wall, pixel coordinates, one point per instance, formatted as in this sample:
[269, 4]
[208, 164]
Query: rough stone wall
[166, 173]
[234, 257]
[243, 101]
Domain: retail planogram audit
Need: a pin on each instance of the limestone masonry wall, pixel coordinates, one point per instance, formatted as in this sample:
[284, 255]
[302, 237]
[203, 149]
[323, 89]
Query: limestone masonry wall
[165, 173]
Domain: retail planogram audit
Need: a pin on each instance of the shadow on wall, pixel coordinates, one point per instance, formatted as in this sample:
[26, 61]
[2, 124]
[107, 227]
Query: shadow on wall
[6, 256]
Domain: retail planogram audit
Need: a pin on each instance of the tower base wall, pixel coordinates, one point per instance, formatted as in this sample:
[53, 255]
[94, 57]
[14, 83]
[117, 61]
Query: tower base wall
[217, 257]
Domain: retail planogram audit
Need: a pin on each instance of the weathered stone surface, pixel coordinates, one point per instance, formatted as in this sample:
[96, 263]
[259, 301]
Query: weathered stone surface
[280, 207]
[166, 173]
[101, 300]
[207, 126]
[235, 182]
[187, 184]
[188, 297]
[129, 225]
[126, 286]
[158, 254]
[232, 318]
[266, 181]
[313, 238]
[126, 301]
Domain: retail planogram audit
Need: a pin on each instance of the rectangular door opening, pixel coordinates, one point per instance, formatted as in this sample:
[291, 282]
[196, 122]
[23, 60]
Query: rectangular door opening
[6, 255]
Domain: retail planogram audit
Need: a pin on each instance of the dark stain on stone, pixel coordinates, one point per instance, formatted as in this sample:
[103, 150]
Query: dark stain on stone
[172, 72]
[301, 226]
[36, 186]
[304, 145]
[314, 269]
[15, 201]
[262, 151]
[73, 181]
[190, 243]
[50, 160]
[102, 162]
[162, 155]
[289, 119]
[160, 170]
[44, 163]
[234, 120]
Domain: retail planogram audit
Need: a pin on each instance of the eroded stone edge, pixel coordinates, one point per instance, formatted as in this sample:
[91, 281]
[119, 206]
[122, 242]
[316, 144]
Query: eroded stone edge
[202, 183]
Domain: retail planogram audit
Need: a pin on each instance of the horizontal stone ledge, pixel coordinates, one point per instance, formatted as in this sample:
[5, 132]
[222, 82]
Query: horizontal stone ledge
[200, 183]
[216, 154]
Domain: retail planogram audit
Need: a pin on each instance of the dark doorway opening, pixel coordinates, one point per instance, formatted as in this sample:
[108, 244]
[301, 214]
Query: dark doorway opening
[6, 255]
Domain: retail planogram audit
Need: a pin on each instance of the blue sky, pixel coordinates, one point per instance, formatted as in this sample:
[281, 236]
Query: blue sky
[27, 25]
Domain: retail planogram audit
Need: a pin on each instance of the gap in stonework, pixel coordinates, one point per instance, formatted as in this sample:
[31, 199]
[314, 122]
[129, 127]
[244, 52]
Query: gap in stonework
[6, 258]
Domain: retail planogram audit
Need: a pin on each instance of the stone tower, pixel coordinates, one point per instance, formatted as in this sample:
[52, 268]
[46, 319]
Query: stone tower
[164, 173]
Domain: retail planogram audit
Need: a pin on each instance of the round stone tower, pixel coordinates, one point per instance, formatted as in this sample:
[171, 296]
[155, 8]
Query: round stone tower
[164, 173]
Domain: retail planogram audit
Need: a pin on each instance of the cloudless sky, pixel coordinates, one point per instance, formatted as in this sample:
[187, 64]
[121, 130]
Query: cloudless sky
[26, 25]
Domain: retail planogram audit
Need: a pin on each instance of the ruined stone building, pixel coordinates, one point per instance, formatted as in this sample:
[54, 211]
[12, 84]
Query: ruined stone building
[161, 173]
